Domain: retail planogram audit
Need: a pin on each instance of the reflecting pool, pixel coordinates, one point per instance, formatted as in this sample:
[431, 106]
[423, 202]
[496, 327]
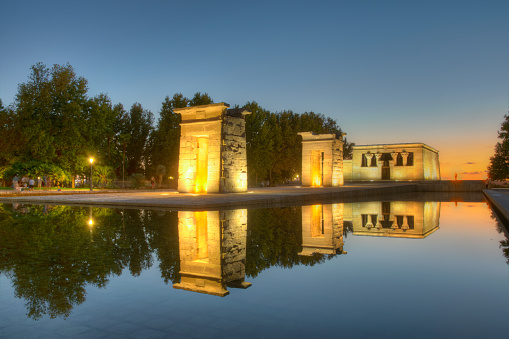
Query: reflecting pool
[399, 269]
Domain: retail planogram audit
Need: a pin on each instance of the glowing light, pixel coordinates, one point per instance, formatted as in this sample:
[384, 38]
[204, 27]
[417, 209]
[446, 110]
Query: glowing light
[165, 194]
[90, 222]
[91, 160]
[316, 168]
[202, 159]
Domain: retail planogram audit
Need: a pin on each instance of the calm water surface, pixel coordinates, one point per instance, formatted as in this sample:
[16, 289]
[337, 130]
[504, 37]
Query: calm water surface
[399, 269]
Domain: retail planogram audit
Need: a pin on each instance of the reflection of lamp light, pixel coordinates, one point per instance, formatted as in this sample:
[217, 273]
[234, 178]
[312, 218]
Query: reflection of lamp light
[91, 162]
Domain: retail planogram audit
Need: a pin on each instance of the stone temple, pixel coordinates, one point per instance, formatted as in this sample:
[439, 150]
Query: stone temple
[322, 159]
[212, 149]
[411, 161]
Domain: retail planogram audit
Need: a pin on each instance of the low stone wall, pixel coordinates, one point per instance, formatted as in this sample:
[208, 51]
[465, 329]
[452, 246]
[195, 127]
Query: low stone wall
[452, 186]
[499, 200]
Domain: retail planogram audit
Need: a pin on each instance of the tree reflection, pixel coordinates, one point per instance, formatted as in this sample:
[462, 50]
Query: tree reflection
[274, 238]
[51, 253]
[502, 227]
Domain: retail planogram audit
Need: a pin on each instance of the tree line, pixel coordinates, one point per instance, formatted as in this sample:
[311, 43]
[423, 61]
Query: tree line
[53, 127]
[498, 168]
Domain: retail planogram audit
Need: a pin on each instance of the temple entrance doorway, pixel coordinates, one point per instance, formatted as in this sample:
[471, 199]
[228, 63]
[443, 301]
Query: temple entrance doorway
[202, 160]
[317, 157]
[386, 171]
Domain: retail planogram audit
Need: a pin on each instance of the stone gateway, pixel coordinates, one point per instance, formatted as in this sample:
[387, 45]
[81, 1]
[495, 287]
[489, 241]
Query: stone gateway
[322, 159]
[212, 149]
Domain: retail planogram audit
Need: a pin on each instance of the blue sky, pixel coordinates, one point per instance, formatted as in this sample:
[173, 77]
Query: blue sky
[387, 71]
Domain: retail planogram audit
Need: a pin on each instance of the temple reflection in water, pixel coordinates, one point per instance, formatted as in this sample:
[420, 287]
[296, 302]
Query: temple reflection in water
[322, 229]
[399, 219]
[206, 252]
[212, 246]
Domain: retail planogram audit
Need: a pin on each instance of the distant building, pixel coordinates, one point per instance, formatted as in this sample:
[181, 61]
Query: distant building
[412, 161]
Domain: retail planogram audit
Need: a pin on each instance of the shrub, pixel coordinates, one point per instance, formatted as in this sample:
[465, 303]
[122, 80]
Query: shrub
[138, 180]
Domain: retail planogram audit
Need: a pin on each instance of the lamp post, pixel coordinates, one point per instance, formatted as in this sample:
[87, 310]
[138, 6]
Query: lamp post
[91, 162]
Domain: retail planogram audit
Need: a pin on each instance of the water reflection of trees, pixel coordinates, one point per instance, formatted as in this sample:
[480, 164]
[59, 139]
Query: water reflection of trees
[51, 253]
[502, 227]
[274, 238]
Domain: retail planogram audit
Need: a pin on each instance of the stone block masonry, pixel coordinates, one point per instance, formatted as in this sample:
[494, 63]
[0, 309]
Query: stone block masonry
[322, 159]
[212, 149]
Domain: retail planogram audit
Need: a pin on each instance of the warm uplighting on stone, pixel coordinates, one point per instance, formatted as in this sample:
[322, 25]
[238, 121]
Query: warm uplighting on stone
[322, 159]
[212, 149]
[212, 247]
[316, 168]
[415, 161]
[322, 229]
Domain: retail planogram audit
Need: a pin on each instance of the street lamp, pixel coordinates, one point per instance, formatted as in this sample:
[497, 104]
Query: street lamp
[91, 162]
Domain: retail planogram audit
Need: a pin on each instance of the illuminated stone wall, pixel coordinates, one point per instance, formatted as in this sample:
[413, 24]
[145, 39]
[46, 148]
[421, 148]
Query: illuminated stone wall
[212, 149]
[322, 159]
[212, 247]
[431, 165]
[400, 219]
[322, 229]
[233, 155]
[394, 162]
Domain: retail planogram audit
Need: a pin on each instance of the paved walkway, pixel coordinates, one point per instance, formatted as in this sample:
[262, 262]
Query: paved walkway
[499, 197]
[256, 197]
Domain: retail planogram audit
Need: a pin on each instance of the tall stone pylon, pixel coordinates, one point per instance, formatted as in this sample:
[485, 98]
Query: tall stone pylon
[212, 149]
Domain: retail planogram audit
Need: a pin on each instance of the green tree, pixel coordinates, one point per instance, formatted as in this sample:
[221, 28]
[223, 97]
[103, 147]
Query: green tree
[50, 117]
[104, 127]
[8, 137]
[164, 140]
[137, 124]
[103, 175]
[498, 168]
[259, 143]
[200, 99]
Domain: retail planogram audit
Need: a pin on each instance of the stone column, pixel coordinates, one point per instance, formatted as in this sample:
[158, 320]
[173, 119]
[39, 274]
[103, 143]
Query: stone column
[405, 157]
[379, 161]
[394, 222]
[369, 156]
[369, 223]
[405, 223]
[394, 156]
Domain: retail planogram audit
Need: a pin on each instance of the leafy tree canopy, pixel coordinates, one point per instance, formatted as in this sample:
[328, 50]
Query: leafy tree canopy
[498, 168]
